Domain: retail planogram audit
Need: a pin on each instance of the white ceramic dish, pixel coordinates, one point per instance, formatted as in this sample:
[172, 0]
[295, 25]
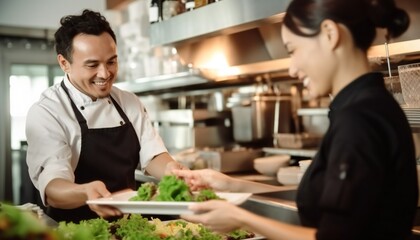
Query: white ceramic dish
[288, 175]
[269, 165]
[121, 201]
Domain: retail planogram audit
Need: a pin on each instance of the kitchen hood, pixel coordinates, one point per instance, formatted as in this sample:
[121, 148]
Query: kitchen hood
[241, 39]
[220, 18]
[228, 39]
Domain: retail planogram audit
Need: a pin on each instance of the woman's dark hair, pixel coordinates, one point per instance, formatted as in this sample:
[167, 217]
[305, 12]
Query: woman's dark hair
[361, 17]
[89, 22]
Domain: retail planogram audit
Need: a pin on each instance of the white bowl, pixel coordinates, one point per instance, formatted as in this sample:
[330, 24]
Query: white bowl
[288, 175]
[304, 164]
[270, 165]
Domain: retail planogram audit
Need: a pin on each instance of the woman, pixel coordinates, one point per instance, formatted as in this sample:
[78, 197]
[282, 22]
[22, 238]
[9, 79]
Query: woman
[362, 183]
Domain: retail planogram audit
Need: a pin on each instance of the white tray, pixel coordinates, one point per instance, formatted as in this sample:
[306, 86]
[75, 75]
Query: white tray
[121, 202]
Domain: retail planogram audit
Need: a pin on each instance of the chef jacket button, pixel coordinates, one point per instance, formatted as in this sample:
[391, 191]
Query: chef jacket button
[109, 102]
[82, 108]
[121, 122]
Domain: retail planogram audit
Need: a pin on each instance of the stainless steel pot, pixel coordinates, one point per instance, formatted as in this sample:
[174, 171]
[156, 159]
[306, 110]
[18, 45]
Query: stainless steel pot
[256, 120]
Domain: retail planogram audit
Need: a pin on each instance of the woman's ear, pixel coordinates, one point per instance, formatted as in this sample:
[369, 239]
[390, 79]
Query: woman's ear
[330, 31]
[64, 64]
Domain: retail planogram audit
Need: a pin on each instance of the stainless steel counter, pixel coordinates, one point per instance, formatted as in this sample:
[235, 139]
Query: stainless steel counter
[279, 205]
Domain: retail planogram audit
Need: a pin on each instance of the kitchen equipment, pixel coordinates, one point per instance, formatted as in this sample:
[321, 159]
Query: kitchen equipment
[393, 85]
[410, 83]
[185, 128]
[270, 165]
[236, 159]
[314, 120]
[254, 118]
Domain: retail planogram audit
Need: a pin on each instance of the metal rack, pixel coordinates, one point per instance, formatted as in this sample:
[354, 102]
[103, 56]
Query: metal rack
[413, 116]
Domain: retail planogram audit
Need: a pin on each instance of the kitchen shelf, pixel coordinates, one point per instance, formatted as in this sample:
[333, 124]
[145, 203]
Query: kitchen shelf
[161, 82]
[310, 153]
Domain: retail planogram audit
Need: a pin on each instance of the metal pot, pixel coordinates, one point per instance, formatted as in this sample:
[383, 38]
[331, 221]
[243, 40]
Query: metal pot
[256, 120]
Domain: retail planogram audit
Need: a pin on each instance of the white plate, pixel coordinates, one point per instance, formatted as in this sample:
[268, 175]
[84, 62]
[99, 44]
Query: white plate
[121, 201]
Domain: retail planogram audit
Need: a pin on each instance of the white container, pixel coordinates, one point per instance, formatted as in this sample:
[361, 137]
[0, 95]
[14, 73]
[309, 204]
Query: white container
[270, 165]
[288, 175]
[304, 164]
[314, 120]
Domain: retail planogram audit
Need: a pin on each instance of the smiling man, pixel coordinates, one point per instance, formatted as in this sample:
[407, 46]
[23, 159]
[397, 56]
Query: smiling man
[85, 136]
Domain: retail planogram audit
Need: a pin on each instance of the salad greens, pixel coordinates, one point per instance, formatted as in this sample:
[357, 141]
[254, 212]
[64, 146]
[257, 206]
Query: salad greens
[97, 229]
[145, 192]
[16, 224]
[171, 188]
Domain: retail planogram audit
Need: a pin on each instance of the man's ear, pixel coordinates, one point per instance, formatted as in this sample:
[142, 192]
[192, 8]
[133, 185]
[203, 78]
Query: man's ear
[64, 64]
[331, 32]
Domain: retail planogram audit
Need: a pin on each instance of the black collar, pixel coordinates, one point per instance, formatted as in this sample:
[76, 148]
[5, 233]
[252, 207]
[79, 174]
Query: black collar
[353, 89]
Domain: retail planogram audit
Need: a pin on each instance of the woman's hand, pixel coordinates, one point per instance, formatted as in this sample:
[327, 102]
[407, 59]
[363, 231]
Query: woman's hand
[205, 178]
[217, 215]
[174, 165]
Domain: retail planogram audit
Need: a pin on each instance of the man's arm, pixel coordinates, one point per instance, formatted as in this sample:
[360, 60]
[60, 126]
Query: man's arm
[163, 164]
[61, 193]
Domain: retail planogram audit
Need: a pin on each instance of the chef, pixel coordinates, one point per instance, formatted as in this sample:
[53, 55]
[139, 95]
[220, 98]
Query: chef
[85, 136]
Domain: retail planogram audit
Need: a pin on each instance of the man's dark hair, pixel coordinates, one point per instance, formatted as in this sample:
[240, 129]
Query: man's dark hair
[89, 22]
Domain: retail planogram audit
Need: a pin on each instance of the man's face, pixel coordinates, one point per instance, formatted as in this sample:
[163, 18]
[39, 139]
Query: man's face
[94, 64]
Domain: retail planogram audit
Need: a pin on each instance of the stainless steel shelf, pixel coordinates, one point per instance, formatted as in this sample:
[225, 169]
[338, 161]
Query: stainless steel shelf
[310, 153]
[161, 82]
[413, 116]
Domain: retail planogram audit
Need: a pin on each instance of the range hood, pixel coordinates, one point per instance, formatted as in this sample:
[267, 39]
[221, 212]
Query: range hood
[237, 39]
[228, 39]
[220, 18]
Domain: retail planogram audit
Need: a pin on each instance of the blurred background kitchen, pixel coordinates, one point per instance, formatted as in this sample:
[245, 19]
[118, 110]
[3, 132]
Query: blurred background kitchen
[213, 75]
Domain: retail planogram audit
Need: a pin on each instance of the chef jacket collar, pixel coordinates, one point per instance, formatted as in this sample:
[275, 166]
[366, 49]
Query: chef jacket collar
[78, 97]
[349, 92]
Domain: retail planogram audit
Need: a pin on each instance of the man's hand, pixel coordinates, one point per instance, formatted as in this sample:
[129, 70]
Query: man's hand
[95, 190]
[64, 194]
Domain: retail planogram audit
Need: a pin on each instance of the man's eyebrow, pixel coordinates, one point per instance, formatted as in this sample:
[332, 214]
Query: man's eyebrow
[91, 61]
[113, 57]
[96, 61]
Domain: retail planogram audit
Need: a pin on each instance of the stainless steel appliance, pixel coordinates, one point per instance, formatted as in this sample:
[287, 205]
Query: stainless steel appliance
[185, 128]
[256, 118]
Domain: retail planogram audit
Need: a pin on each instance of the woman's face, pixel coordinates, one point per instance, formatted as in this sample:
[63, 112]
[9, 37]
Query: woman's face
[309, 62]
[94, 64]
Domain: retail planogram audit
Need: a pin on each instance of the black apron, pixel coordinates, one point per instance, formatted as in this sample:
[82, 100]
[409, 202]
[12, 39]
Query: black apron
[110, 155]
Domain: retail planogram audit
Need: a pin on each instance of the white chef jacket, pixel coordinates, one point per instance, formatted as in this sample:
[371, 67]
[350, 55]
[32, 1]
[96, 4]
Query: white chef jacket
[54, 135]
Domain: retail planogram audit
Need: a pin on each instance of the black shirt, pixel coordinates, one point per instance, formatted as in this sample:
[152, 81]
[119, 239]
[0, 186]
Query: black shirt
[362, 184]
